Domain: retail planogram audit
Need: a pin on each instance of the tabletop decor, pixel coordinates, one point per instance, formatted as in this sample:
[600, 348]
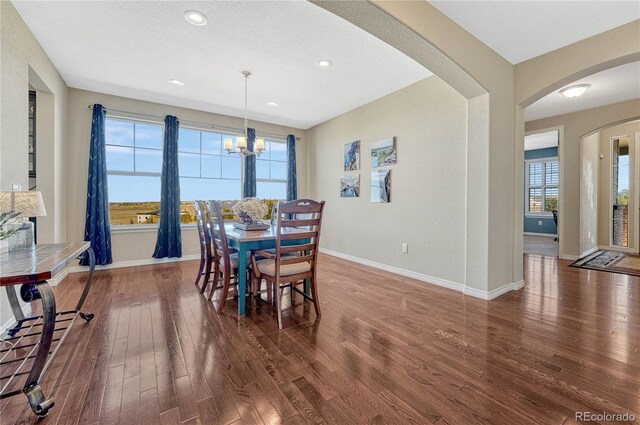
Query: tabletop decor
[26, 204]
[250, 211]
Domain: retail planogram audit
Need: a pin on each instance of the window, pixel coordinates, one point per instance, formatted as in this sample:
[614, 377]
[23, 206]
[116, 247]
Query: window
[207, 171]
[271, 170]
[134, 163]
[541, 186]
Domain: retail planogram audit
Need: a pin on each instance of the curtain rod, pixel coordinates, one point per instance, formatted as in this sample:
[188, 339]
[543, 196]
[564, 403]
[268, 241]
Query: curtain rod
[217, 127]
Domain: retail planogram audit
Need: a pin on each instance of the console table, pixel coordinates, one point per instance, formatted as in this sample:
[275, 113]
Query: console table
[26, 347]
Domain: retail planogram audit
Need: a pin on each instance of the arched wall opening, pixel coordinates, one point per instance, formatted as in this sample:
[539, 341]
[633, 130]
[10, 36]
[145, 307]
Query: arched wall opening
[486, 81]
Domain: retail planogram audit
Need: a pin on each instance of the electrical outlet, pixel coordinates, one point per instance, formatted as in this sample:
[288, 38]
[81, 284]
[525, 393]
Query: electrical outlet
[16, 187]
[539, 222]
[405, 248]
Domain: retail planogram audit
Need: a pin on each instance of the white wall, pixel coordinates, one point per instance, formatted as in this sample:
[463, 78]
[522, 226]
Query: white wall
[139, 245]
[427, 208]
[589, 193]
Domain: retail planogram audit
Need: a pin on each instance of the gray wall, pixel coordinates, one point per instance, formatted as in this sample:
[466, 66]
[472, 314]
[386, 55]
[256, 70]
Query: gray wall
[24, 63]
[427, 208]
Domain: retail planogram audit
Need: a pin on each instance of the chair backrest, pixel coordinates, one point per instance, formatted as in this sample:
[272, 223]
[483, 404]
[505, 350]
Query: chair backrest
[203, 229]
[226, 210]
[218, 234]
[298, 219]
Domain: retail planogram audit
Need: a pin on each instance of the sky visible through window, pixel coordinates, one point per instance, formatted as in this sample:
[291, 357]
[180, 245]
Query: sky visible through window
[134, 163]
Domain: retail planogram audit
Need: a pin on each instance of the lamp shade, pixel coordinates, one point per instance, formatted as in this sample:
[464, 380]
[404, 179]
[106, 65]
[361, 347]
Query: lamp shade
[28, 203]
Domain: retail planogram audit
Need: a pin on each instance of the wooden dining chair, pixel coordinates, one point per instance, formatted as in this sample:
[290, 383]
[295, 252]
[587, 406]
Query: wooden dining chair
[206, 254]
[225, 262]
[288, 271]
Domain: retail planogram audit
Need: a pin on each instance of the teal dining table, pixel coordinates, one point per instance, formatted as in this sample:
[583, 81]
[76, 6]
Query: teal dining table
[245, 241]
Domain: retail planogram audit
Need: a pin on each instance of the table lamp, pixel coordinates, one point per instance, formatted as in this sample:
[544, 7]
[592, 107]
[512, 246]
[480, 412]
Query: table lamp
[28, 204]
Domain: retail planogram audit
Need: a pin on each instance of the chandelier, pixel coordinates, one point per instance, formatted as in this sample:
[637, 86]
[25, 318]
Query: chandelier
[241, 141]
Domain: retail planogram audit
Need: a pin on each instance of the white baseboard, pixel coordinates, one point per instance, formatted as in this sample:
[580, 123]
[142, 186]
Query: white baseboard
[477, 293]
[548, 235]
[26, 310]
[120, 264]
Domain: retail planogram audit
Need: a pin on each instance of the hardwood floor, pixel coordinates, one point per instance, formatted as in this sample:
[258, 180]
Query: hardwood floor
[387, 349]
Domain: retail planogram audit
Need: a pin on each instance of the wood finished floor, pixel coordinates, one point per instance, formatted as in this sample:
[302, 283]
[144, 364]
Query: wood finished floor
[387, 350]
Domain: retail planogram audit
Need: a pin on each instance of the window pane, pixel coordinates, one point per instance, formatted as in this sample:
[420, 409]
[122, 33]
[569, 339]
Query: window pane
[271, 190]
[262, 169]
[211, 166]
[535, 174]
[191, 188]
[535, 200]
[119, 158]
[551, 173]
[189, 164]
[211, 143]
[278, 151]
[278, 170]
[149, 136]
[134, 189]
[148, 160]
[118, 132]
[189, 140]
[231, 167]
[550, 199]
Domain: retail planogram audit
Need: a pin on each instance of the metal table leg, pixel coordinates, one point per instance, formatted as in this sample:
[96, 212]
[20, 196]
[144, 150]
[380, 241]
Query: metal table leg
[87, 285]
[15, 305]
[32, 390]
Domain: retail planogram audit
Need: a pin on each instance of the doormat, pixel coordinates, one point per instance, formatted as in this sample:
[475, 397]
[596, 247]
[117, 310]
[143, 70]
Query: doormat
[610, 261]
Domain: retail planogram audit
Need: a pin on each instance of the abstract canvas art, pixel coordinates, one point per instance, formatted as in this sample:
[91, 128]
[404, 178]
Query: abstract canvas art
[350, 186]
[352, 156]
[383, 153]
[381, 186]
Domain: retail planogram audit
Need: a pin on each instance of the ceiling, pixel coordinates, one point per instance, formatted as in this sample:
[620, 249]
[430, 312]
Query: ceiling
[131, 49]
[541, 140]
[611, 86]
[521, 30]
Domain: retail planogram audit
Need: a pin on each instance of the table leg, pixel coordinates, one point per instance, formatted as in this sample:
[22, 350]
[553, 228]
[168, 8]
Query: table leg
[87, 285]
[32, 390]
[13, 302]
[242, 279]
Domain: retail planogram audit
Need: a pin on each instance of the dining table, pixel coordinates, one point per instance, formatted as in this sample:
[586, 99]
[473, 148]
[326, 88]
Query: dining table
[245, 241]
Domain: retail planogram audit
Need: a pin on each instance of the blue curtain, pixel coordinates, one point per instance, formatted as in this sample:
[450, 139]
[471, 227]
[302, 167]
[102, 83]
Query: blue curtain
[96, 226]
[249, 185]
[169, 242]
[292, 176]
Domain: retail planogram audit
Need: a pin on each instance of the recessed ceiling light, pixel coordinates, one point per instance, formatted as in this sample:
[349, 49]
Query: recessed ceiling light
[176, 82]
[194, 17]
[271, 104]
[324, 63]
[575, 91]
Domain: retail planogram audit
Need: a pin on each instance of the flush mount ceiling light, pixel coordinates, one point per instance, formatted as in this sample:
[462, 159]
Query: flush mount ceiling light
[271, 104]
[324, 63]
[176, 82]
[575, 91]
[194, 17]
[241, 147]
